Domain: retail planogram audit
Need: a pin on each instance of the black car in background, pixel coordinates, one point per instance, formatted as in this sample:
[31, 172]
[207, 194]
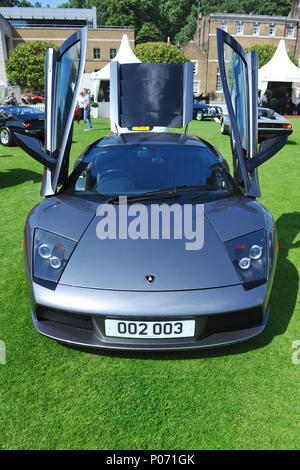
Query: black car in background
[22, 119]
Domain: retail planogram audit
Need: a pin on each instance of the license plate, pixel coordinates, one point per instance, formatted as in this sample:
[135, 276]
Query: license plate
[150, 329]
[140, 128]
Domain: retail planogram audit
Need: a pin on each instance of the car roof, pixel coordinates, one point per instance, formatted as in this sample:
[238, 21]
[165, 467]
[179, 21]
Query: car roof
[166, 138]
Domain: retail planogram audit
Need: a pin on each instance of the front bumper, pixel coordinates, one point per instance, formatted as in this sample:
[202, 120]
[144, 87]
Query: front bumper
[211, 112]
[222, 316]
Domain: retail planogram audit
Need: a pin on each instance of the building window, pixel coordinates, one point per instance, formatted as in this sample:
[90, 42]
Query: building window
[113, 53]
[290, 32]
[239, 28]
[219, 87]
[272, 28]
[196, 87]
[223, 26]
[7, 48]
[255, 30]
[195, 66]
[97, 53]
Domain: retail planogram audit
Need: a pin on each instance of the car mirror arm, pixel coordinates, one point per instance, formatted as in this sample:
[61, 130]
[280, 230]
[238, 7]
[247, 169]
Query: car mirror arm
[267, 149]
[31, 146]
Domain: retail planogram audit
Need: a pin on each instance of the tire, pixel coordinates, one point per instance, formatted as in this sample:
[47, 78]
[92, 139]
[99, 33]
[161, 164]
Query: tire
[223, 129]
[6, 137]
[199, 115]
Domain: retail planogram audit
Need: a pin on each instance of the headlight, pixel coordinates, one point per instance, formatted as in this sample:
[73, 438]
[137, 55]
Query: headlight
[248, 254]
[51, 253]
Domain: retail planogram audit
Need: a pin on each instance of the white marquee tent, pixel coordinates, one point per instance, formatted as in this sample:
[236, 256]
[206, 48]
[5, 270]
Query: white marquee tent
[279, 69]
[125, 55]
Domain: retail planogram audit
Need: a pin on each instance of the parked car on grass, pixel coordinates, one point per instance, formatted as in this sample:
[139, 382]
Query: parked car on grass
[21, 119]
[102, 286]
[201, 110]
[270, 124]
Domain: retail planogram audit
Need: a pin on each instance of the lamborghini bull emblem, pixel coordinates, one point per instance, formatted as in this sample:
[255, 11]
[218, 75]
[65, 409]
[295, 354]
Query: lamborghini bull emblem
[150, 278]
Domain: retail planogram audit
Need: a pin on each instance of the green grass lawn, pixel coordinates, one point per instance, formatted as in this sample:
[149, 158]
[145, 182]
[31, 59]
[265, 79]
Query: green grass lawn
[241, 397]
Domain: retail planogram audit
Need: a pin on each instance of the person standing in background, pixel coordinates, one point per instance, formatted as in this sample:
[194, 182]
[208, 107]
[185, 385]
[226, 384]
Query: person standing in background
[286, 103]
[87, 109]
[10, 100]
[80, 102]
[259, 98]
[298, 105]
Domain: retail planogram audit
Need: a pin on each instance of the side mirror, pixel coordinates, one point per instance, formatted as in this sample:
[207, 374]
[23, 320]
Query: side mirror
[267, 149]
[32, 146]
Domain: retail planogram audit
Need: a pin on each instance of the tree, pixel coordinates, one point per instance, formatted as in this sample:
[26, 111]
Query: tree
[265, 53]
[133, 13]
[74, 4]
[161, 52]
[101, 8]
[174, 14]
[15, 3]
[176, 19]
[258, 7]
[188, 30]
[148, 32]
[130, 13]
[25, 66]
[123, 13]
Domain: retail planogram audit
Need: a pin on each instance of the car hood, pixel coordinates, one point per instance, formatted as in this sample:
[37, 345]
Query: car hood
[123, 264]
[236, 216]
[64, 215]
[204, 106]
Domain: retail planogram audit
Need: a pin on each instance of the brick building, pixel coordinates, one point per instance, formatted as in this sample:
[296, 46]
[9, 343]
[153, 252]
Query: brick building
[56, 25]
[248, 30]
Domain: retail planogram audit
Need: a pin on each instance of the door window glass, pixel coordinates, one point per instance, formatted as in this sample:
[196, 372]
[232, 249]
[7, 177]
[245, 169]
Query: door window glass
[236, 74]
[67, 74]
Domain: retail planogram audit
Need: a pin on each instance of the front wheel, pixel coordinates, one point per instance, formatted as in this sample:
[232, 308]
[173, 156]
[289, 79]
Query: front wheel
[6, 137]
[199, 115]
[223, 128]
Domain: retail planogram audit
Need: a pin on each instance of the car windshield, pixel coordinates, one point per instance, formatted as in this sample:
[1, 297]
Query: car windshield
[137, 169]
[266, 112]
[26, 111]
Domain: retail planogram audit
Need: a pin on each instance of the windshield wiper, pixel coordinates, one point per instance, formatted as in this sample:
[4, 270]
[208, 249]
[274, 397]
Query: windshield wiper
[142, 197]
[171, 192]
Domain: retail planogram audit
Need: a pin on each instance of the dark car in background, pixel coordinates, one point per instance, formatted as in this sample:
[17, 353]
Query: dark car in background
[21, 119]
[201, 110]
[270, 124]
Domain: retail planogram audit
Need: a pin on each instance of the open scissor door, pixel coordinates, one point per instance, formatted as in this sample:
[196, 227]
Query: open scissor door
[64, 71]
[238, 71]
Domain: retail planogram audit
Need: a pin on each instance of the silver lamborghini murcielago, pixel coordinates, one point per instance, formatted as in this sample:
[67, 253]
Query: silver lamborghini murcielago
[150, 243]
